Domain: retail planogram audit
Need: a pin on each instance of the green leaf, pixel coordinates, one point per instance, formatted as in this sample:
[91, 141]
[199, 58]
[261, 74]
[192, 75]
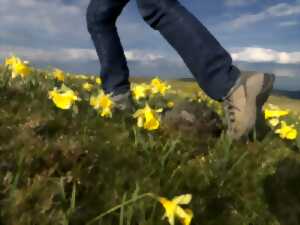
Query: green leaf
[121, 220]
[73, 198]
[75, 109]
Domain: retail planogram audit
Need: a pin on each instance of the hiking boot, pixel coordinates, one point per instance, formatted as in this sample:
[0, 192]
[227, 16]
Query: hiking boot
[243, 105]
[123, 101]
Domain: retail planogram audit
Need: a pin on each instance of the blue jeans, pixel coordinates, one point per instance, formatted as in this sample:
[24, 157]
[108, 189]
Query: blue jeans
[207, 60]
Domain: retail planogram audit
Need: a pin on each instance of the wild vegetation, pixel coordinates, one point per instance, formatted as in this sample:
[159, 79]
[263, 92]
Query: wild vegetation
[67, 157]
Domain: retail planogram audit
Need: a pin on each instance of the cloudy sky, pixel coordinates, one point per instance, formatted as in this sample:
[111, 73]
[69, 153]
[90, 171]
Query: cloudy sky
[261, 35]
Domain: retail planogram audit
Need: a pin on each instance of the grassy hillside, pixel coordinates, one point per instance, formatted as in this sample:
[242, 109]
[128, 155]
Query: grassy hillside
[282, 101]
[285, 102]
[75, 167]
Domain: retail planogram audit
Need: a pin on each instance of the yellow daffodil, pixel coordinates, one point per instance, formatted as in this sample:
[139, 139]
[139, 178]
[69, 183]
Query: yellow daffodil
[219, 111]
[87, 86]
[201, 96]
[287, 131]
[58, 74]
[187, 219]
[209, 102]
[147, 118]
[275, 113]
[103, 103]
[82, 76]
[170, 104]
[274, 122]
[20, 69]
[10, 61]
[98, 80]
[174, 210]
[157, 86]
[140, 91]
[17, 66]
[63, 98]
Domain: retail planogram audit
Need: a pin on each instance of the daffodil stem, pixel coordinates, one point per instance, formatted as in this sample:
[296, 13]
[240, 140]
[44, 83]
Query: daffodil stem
[151, 195]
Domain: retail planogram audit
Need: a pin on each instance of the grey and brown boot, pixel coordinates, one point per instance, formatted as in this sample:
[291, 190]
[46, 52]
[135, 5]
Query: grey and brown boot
[243, 105]
[123, 101]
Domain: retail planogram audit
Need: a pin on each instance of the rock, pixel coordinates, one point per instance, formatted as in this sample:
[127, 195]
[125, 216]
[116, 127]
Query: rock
[193, 119]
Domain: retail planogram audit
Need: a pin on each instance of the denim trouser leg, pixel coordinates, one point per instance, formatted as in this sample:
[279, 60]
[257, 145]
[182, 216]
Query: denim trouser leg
[101, 19]
[206, 59]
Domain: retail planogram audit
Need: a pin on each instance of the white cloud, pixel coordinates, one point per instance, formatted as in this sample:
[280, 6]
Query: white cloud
[239, 2]
[278, 10]
[256, 54]
[74, 54]
[35, 19]
[140, 55]
[289, 23]
[247, 19]
[284, 9]
[58, 55]
[85, 60]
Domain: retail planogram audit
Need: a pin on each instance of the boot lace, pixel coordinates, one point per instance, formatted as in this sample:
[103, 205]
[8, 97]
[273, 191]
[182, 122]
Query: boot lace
[230, 110]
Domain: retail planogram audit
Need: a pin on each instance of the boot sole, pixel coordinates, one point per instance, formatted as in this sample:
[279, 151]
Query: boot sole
[266, 90]
[261, 99]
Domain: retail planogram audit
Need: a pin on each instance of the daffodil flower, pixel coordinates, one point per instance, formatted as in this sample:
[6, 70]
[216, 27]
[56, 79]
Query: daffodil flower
[103, 103]
[157, 86]
[98, 80]
[140, 91]
[63, 98]
[201, 95]
[82, 76]
[147, 118]
[276, 113]
[287, 131]
[274, 122]
[174, 210]
[170, 104]
[58, 74]
[10, 61]
[18, 67]
[87, 86]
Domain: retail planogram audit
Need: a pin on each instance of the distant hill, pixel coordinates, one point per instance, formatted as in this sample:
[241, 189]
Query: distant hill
[186, 79]
[276, 92]
[290, 94]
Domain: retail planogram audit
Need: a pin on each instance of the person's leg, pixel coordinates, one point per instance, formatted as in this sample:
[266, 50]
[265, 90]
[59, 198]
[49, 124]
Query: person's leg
[207, 60]
[101, 19]
[242, 94]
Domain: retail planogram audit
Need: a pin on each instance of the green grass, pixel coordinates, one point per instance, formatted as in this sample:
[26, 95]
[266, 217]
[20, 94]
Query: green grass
[190, 87]
[285, 102]
[61, 167]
